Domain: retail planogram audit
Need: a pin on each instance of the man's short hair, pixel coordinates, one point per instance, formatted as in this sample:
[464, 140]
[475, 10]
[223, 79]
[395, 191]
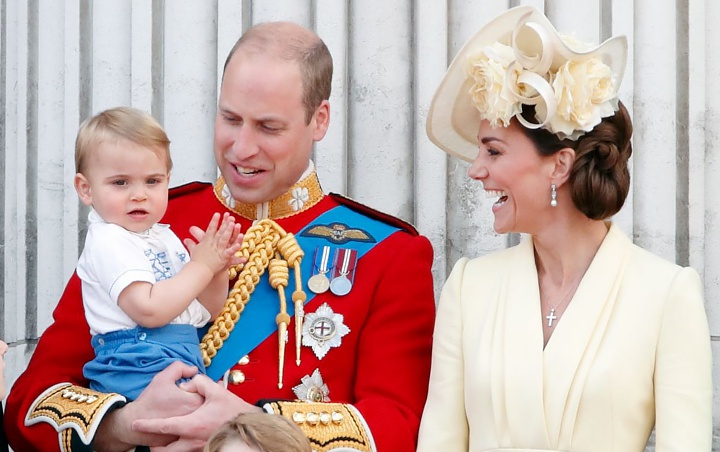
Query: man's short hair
[311, 54]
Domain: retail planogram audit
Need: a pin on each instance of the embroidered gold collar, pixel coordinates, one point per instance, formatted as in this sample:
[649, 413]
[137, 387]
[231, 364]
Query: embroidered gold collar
[301, 196]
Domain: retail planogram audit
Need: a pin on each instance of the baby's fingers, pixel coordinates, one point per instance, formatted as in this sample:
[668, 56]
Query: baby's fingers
[237, 235]
[237, 260]
[197, 233]
[226, 231]
[212, 226]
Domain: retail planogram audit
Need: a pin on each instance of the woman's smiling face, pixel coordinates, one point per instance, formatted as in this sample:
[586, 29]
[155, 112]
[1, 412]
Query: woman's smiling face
[514, 173]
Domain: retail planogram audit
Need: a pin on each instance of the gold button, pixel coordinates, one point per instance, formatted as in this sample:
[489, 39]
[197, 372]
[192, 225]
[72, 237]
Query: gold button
[244, 360]
[298, 417]
[312, 418]
[325, 418]
[337, 417]
[236, 377]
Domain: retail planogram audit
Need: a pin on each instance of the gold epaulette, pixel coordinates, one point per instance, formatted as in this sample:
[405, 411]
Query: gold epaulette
[68, 407]
[329, 426]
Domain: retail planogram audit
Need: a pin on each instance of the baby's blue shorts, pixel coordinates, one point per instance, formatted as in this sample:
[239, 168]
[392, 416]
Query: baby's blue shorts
[126, 360]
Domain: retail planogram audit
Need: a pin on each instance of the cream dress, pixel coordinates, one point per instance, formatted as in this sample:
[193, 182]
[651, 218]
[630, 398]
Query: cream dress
[632, 351]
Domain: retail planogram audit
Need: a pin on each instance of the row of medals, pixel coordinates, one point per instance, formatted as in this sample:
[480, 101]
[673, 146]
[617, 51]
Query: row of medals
[340, 284]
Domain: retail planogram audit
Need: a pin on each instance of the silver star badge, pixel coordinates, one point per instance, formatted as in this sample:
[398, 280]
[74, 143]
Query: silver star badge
[312, 388]
[323, 329]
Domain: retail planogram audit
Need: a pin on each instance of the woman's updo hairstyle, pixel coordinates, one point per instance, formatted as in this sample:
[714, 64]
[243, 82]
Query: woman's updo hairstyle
[599, 179]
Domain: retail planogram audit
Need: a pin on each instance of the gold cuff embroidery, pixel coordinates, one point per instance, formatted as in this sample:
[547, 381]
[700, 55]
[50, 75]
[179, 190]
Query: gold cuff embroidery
[65, 406]
[66, 440]
[329, 426]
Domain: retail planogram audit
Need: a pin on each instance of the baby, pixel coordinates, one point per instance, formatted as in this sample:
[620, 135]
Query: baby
[144, 295]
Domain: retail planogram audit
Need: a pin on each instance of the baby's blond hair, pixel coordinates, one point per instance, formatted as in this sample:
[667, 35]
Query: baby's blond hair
[266, 432]
[120, 123]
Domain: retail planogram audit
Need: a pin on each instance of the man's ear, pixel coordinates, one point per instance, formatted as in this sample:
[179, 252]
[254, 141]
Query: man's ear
[563, 160]
[82, 187]
[321, 121]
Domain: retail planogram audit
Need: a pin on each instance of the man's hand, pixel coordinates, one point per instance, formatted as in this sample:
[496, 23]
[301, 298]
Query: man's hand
[162, 398]
[194, 429]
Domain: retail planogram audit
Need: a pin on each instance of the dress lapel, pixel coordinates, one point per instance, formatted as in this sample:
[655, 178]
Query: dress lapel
[569, 354]
[518, 353]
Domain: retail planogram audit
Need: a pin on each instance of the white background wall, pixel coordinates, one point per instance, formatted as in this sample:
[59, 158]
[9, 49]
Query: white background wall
[61, 61]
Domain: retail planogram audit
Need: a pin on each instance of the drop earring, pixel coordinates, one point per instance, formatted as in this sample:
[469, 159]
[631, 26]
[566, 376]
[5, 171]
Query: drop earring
[553, 195]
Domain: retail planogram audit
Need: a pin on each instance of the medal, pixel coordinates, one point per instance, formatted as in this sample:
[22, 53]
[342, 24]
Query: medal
[345, 260]
[312, 388]
[340, 286]
[323, 329]
[319, 282]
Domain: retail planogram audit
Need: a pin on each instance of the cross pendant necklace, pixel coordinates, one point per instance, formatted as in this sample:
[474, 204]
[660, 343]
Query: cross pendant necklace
[551, 317]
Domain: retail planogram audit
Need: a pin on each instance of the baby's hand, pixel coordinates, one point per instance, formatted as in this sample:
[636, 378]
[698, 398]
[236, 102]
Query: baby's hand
[216, 246]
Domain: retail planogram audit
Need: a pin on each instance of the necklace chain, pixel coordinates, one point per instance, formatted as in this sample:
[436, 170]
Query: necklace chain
[551, 316]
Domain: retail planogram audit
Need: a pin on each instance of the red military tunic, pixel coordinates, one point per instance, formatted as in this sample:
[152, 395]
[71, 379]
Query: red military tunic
[381, 367]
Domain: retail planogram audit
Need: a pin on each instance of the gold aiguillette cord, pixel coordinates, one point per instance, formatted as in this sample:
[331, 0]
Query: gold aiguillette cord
[265, 245]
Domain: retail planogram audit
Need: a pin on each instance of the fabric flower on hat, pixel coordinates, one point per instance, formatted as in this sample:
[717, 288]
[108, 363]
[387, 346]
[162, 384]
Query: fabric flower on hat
[488, 70]
[568, 102]
[584, 91]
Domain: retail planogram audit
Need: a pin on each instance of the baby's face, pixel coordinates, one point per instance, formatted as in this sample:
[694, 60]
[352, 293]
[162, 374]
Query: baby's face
[3, 349]
[235, 445]
[126, 183]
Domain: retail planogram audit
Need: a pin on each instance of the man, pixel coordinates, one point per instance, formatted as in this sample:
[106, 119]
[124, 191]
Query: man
[360, 361]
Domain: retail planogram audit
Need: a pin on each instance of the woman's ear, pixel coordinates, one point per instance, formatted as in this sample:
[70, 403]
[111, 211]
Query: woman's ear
[564, 159]
[82, 187]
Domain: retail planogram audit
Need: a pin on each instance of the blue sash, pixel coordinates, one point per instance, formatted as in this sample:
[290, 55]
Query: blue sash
[257, 321]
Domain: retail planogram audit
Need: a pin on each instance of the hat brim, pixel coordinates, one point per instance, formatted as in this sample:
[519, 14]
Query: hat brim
[453, 119]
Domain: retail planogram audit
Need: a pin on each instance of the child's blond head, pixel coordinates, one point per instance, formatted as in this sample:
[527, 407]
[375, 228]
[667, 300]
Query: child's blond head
[265, 432]
[116, 124]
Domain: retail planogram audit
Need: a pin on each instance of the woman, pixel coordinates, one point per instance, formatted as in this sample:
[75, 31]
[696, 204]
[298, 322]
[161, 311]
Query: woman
[576, 339]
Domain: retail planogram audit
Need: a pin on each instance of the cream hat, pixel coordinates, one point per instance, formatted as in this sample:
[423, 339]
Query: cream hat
[518, 59]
